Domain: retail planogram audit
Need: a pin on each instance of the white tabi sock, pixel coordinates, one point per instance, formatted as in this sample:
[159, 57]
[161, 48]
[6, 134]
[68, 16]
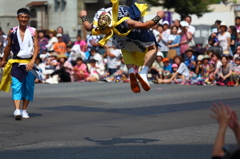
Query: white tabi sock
[143, 73]
[131, 70]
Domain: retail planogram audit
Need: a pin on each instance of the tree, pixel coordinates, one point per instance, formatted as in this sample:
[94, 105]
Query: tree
[185, 7]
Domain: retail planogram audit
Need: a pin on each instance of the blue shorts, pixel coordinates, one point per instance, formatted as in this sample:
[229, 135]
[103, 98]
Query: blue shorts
[25, 89]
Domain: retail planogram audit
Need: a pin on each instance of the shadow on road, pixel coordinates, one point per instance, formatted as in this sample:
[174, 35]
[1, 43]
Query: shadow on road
[172, 151]
[115, 141]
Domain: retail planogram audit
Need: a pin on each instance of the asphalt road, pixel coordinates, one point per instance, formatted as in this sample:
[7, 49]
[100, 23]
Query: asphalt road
[108, 121]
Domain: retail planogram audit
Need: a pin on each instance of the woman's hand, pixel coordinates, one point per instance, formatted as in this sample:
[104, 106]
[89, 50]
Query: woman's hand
[222, 114]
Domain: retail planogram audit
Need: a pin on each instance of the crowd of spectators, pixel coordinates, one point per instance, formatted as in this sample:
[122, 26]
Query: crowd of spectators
[179, 60]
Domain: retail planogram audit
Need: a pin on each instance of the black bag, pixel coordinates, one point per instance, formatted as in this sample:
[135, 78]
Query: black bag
[217, 49]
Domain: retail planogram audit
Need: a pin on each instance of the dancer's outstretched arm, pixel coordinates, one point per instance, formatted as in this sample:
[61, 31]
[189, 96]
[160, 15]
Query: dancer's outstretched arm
[132, 24]
[83, 15]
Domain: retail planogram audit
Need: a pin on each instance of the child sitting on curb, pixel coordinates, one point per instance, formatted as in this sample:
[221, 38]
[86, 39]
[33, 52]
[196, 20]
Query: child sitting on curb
[236, 72]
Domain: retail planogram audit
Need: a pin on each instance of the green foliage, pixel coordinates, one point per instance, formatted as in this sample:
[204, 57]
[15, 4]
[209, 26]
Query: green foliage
[185, 7]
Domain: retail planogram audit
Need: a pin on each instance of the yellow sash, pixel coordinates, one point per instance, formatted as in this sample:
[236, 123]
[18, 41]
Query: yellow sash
[109, 31]
[7, 78]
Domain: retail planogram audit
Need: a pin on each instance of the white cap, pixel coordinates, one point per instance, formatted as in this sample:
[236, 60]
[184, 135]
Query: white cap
[59, 35]
[160, 54]
[184, 24]
[165, 22]
[223, 24]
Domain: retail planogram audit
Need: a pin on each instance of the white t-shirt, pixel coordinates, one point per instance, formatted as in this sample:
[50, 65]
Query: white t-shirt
[183, 70]
[98, 58]
[51, 43]
[155, 32]
[165, 36]
[113, 61]
[191, 29]
[223, 40]
[219, 64]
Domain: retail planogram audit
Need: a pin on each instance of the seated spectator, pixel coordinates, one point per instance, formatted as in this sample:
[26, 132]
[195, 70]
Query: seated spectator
[80, 70]
[236, 72]
[225, 118]
[96, 56]
[52, 39]
[225, 72]
[113, 56]
[198, 70]
[60, 47]
[237, 52]
[207, 69]
[50, 64]
[64, 70]
[157, 67]
[190, 60]
[167, 68]
[182, 70]
[65, 37]
[174, 40]
[95, 71]
[81, 43]
[216, 58]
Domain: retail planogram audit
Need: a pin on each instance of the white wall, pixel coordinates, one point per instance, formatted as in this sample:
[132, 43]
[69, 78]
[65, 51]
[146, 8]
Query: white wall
[67, 18]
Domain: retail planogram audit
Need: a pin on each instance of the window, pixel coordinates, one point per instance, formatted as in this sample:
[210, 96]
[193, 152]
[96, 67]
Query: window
[33, 13]
[33, 23]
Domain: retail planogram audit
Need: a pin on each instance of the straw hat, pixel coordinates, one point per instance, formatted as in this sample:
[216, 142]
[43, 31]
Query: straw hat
[226, 53]
[54, 54]
[52, 31]
[189, 50]
[62, 56]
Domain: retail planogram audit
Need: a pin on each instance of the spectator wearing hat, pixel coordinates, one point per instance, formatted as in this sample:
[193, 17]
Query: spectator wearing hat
[81, 43]
[190, 60]
[164, 38]
[224, 37]
[157, 67]
[174, 70]
[174, 40]
[198, 65]
[65, 37]
[50, 64]
[64, 69]
[212, 39]
[80, 70]
[186, 36]
[236, 72]
[60, 47]
[225, 72]
[52, 39]
[167, 68]
[207, 69]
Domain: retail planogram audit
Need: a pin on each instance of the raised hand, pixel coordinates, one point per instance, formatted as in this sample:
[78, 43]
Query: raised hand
[161, 14]
[82, 13]
[221, 114]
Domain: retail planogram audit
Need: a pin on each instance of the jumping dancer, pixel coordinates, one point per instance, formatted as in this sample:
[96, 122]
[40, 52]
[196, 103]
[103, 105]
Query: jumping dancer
[122, 24]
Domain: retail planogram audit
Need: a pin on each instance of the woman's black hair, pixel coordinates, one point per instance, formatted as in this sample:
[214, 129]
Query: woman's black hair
[214, 53]
[92, 61]
[226, 57]
[234, 30]
[79, 59]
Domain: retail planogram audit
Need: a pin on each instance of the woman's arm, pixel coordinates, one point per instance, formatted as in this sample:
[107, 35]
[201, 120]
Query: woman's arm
[229, 42]
[228, 75]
